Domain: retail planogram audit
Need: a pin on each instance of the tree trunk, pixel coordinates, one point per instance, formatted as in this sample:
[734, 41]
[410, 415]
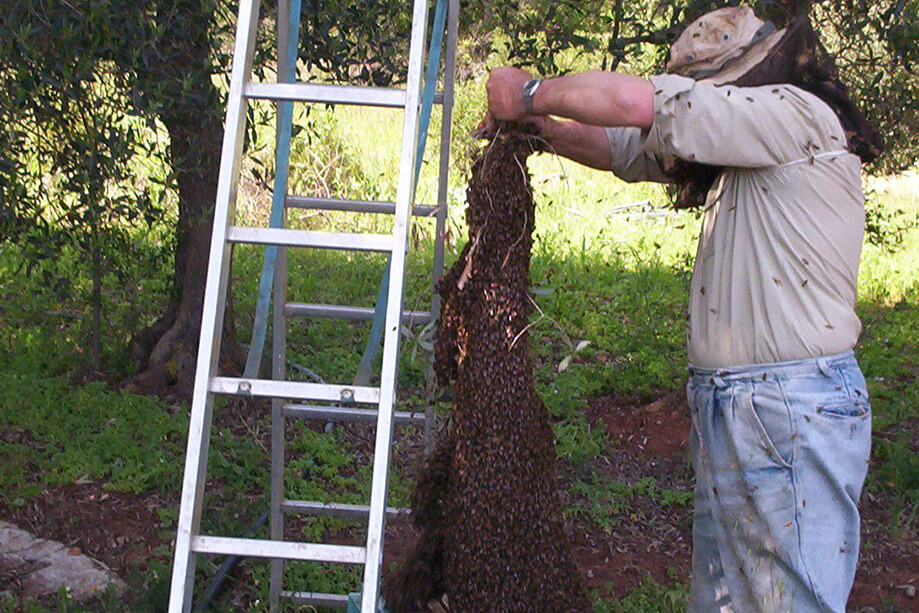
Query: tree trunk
[97, 307]
[192, 111]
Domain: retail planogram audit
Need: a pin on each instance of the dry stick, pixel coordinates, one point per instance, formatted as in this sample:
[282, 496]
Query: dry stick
[542, 316]
[467, 270]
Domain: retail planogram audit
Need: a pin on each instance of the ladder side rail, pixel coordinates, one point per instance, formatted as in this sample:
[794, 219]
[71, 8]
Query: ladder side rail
[284, 120]
[278, 423]
[288, 43]
[421, 136]
[362, 377]
[183, 573]
[440, 223]
[442, 209]
[404, 194]
[430, 86]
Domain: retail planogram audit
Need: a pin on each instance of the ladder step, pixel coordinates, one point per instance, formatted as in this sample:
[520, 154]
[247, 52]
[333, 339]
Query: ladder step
[316, 599]
[310, 238]
[347, 414]
[355, 206]
[295, 390]
[331, 509]
[351, 313]
[359, 95]
[285, 550]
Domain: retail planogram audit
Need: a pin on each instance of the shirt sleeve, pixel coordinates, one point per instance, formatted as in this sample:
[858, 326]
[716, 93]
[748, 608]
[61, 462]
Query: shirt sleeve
[629, 161]
[741, 127]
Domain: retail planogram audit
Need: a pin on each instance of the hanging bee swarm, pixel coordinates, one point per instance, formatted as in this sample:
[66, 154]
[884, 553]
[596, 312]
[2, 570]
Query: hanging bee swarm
[486, 507]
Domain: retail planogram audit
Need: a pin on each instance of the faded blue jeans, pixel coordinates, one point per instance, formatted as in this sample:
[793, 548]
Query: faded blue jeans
[780, 453]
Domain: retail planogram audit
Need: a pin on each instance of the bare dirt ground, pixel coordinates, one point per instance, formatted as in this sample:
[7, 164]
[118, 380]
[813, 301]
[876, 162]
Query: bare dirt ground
[645, 440]
[121, 530]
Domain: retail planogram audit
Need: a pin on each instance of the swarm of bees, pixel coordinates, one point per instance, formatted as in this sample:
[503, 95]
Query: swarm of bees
[486, 506]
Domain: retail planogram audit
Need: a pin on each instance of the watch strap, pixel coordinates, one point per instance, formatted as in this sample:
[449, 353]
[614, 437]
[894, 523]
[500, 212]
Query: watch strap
[529, 88]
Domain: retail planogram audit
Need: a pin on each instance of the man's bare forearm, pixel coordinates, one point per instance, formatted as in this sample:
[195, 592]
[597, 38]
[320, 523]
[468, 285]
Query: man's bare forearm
[594, 98]
[588, 102]
[598, 99]
[582, 143]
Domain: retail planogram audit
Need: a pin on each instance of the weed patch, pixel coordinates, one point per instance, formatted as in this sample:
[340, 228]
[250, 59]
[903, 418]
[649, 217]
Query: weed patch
[60, 434]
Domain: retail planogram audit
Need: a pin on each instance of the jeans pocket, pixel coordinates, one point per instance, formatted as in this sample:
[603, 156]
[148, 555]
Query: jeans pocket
[770, 424]
[843, 410]
[855, 404]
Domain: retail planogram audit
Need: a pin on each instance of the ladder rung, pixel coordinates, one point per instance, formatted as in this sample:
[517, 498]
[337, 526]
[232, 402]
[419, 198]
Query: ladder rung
[347, 414]
[285, 550]
[331, 509]
[295, 390]
[352, 313]
[359, 95]
[355, 206]
[310, 238]
[316, 599]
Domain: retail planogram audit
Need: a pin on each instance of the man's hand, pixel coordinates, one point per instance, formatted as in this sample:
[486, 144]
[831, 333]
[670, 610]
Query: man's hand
[505, 93]
[488, 127]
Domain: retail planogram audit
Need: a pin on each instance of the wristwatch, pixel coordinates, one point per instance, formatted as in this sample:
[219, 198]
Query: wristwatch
[529, 88]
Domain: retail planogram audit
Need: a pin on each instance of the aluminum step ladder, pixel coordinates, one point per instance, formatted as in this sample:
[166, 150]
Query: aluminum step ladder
[344, 400]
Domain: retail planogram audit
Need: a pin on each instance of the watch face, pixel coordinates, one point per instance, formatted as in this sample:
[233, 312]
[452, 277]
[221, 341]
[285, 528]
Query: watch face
[529, 88]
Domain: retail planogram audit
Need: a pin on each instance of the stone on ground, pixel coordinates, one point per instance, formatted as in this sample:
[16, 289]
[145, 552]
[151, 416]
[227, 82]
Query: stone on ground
[45, 566]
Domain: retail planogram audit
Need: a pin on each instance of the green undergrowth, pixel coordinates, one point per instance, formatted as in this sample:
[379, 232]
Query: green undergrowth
[610, 501]
[57, 433]
[650, 597]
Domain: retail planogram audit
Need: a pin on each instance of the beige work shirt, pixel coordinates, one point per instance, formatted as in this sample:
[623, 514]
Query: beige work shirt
[777, 261]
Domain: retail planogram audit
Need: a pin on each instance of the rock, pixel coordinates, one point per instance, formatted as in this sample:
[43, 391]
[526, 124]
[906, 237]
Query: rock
[52, 565]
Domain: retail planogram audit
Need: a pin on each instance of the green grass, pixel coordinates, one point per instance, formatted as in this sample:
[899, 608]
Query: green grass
[650, 597]
[60, 433]
[608, 501]
[610, 272]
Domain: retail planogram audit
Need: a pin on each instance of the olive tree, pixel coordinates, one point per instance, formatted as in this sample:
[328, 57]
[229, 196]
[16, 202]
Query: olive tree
[88, 76]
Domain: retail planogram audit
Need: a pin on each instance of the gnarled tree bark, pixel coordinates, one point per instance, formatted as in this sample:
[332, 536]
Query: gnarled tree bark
[191, 109]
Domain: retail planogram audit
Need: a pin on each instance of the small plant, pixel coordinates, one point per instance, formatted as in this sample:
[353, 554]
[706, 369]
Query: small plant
[606, 499]
[650, 597]
[897, 466]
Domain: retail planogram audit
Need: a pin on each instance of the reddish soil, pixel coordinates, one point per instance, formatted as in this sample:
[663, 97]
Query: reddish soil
[645, 440]
[118, 528]
[656, 429]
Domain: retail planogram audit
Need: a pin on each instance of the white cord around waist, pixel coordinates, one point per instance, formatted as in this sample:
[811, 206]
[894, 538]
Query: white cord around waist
[810, 159]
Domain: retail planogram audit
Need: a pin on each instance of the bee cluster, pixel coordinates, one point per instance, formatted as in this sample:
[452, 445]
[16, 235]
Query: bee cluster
[486, 507]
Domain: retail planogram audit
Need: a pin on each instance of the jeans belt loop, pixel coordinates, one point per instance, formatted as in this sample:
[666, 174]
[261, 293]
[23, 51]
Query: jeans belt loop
[719, 382]
[824, 367]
